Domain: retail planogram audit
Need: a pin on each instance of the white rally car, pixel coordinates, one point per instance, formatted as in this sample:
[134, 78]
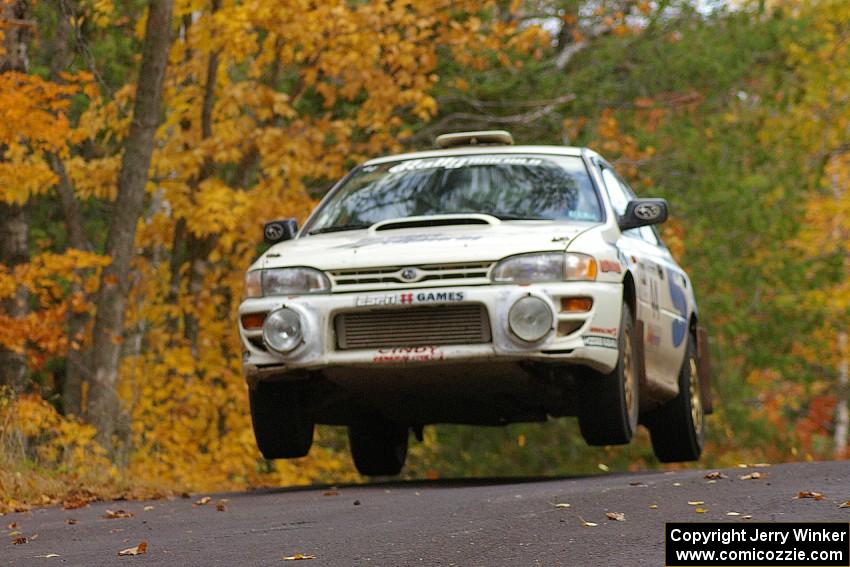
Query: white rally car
[481, 283]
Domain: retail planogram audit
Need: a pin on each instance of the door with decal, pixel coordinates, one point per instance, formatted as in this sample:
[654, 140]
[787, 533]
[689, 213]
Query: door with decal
[661, 287]
[675, 309]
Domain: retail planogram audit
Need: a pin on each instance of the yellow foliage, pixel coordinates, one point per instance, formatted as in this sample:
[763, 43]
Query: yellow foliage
[302, 91]
[57, 454]
[33, 120]
[22, 175]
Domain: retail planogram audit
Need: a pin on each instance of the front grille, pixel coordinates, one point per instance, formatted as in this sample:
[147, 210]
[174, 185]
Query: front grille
[470, 273]
[413, 326]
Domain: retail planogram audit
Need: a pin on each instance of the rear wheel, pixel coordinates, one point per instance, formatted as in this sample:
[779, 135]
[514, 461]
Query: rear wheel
[378, 447]
[608, 403]
[678, 427]
[281, 428]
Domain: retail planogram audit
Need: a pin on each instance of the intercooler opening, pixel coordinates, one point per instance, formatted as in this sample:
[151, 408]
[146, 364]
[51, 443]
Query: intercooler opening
[431, 325]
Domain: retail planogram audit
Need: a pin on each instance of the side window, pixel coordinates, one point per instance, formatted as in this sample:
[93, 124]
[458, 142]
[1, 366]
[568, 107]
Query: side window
[620, 195]
[619, 199]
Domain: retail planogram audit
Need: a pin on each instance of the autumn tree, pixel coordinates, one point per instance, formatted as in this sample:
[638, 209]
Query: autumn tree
[14, 225]
[105, 408]
[815, 119]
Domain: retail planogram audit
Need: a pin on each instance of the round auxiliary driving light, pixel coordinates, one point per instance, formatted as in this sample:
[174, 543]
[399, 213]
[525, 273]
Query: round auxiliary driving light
[530, 319]
[282, 330]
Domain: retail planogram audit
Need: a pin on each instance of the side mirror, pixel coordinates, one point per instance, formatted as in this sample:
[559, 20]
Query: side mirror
[643, 212]
[280, 230]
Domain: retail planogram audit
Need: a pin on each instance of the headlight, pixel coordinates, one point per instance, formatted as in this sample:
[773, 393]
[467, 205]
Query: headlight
[545, 267]
[285, 281]
[530, 319]
[282, 330]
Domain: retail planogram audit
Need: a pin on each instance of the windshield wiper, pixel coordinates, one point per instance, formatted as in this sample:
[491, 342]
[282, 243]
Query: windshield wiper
[508, 216]
[339, 228]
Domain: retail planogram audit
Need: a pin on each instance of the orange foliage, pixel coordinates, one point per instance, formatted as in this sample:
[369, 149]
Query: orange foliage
[47, 279]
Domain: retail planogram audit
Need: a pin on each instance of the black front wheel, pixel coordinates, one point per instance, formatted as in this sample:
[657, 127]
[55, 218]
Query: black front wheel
[608, 403]
[677, 428]
[378, 447]
[281, 428]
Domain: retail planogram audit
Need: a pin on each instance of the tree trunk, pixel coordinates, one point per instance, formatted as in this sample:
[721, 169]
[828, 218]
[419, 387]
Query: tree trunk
[14, 220]
[78, 359]
[14, 250]
[198, 249]
[842, 415]
[104, 408]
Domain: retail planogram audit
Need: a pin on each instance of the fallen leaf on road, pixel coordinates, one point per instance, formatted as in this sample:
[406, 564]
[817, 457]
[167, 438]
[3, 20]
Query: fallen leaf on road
[147, 508]
[298, 557]
[700, 510]
[677, 484]
[13, 526]
[809, 494]
[140, 549]
[760, 465]
[74, 504]
[695, 503]
[747, 517]
[221, 505]
[357, 502]
[71, 521]
[733, 513]
[20, 540]
[587, 524]
[203, 501]
[653, 506]
[562, 505]
[616, 516]
[637, 483]
[715, 475]
[331, 493]
[753, 476]
[844, 504]
[48, 556]
[117, 514]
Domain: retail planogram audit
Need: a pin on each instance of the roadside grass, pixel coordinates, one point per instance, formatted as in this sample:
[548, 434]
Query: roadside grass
[48, 459]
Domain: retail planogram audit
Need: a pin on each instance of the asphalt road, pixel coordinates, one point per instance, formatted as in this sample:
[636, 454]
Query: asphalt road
[468, 522]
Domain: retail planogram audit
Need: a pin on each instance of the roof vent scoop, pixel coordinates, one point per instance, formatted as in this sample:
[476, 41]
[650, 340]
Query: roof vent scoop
[485, 137]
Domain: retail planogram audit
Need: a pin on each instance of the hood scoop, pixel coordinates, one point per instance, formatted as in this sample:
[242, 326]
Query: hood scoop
[434, 220]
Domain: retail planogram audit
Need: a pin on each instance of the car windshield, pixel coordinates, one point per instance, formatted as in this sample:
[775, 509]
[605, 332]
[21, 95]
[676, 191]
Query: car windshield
[507, 186]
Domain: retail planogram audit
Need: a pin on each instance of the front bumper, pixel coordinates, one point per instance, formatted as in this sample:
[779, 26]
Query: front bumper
[586, 338]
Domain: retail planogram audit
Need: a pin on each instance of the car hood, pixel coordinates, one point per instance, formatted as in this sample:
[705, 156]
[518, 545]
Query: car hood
[422, 245]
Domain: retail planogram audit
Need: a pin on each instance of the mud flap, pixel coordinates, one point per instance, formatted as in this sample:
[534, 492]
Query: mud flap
[704, 363]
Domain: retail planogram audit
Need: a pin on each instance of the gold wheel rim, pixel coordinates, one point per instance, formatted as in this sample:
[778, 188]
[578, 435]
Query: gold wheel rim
[696, 398]
[628, 373]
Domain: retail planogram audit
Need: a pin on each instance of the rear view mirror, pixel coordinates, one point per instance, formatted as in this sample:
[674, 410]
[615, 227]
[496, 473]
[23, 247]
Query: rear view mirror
[643, 212]
[280, 230]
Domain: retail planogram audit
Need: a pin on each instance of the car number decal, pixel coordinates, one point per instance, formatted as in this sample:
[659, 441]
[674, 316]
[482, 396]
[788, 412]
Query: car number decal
[597, 341]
